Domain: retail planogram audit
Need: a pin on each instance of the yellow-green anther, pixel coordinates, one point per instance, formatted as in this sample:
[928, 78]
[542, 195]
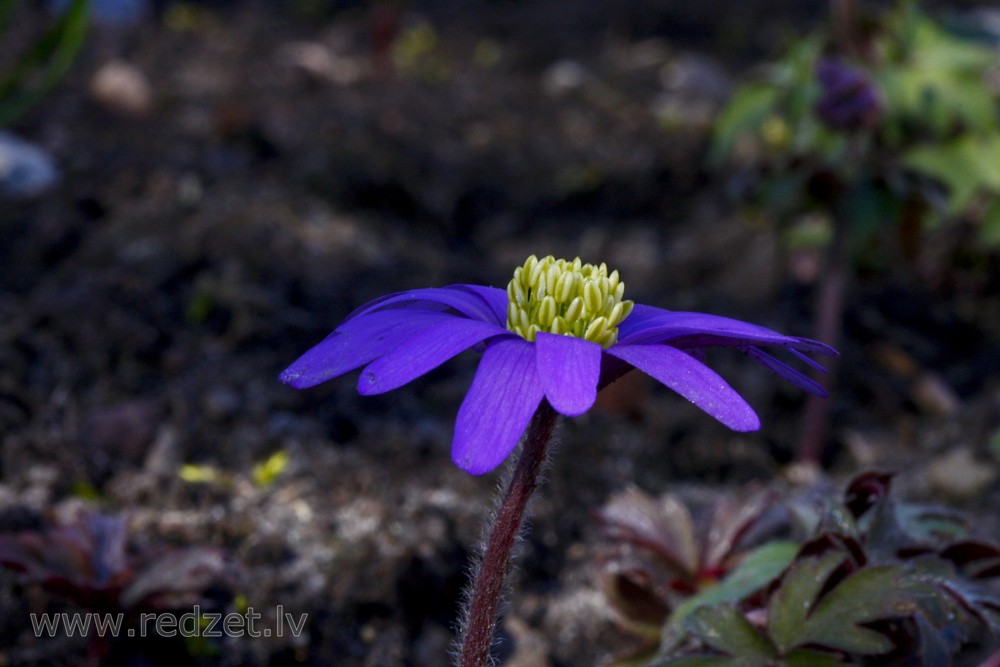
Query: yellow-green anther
[547, 311]
[533, 269]
[615, 317]
[574, 310]
[565, 287]
[609, 303]
[592, 298]
[551, 278]
[568, 298]
[597, 329]
[523, 318]
[515, 293]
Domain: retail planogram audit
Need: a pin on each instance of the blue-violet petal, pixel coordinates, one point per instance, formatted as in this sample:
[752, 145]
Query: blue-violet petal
[501, 401]
[693, 380]
[424, 351]
[354, 344]
[569, 369]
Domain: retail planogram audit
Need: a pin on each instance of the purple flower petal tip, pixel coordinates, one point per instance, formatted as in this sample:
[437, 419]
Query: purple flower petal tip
[693, 380]
[569, 369]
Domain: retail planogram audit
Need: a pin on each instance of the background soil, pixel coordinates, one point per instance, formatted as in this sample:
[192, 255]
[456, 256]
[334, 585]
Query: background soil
[282, 170]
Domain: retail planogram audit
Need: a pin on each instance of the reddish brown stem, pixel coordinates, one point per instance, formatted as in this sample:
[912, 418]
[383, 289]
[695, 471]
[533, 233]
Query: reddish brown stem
[845, 26]
[829, 317]
[484, 603]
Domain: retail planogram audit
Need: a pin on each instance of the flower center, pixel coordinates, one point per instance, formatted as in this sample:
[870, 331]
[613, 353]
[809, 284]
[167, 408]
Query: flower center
[568, 298]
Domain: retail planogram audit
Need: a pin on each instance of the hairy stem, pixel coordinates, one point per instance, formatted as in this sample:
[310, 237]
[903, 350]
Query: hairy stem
[484, 602]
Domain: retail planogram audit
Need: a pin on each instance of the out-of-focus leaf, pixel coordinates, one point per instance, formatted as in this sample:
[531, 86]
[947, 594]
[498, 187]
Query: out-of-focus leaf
[175, 579]
[44, 64]
[265, 473]
[725, 629]
[732, 519]
[801, 658]
[977, 560]
[663, 527]
[642, 657]
[792, 603]
[87, 562]
[938, 79]
[744, 113]
[970, 599]
[989, 233]
[199, 474]
[703, 661]
[885, 537]
[869, 594]
[932, 524]
[758, 569]
[810, 232]
[965, 166]
[838, 520]
[632, 594]
[866, 489]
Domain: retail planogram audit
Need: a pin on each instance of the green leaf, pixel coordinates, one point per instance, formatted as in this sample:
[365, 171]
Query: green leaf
[931, 524]
[790, 605]
[641, 657]
[703, 661]
[965, 166]
[869, 594]
[746, 110]
[866, 595]
[757, 569]
[725, 629]
[936, 80]
[812, 659]
[51, 57]
[989, 234]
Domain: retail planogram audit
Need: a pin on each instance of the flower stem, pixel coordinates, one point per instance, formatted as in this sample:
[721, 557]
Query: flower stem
[484, 603]
[829, 322]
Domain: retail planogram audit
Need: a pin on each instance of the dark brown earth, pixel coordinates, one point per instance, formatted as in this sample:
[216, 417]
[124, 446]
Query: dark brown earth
[285, 170]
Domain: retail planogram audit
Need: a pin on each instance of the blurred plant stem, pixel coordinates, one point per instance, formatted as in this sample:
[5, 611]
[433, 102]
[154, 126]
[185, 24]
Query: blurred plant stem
[38, 71]
[480, 617]
[844, 15]
[828, 324]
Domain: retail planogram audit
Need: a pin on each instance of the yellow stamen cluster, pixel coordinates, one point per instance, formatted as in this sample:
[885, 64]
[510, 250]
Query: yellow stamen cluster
[568, 298]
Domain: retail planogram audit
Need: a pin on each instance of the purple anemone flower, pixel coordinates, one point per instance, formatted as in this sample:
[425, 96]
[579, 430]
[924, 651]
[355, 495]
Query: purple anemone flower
[559, 333]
